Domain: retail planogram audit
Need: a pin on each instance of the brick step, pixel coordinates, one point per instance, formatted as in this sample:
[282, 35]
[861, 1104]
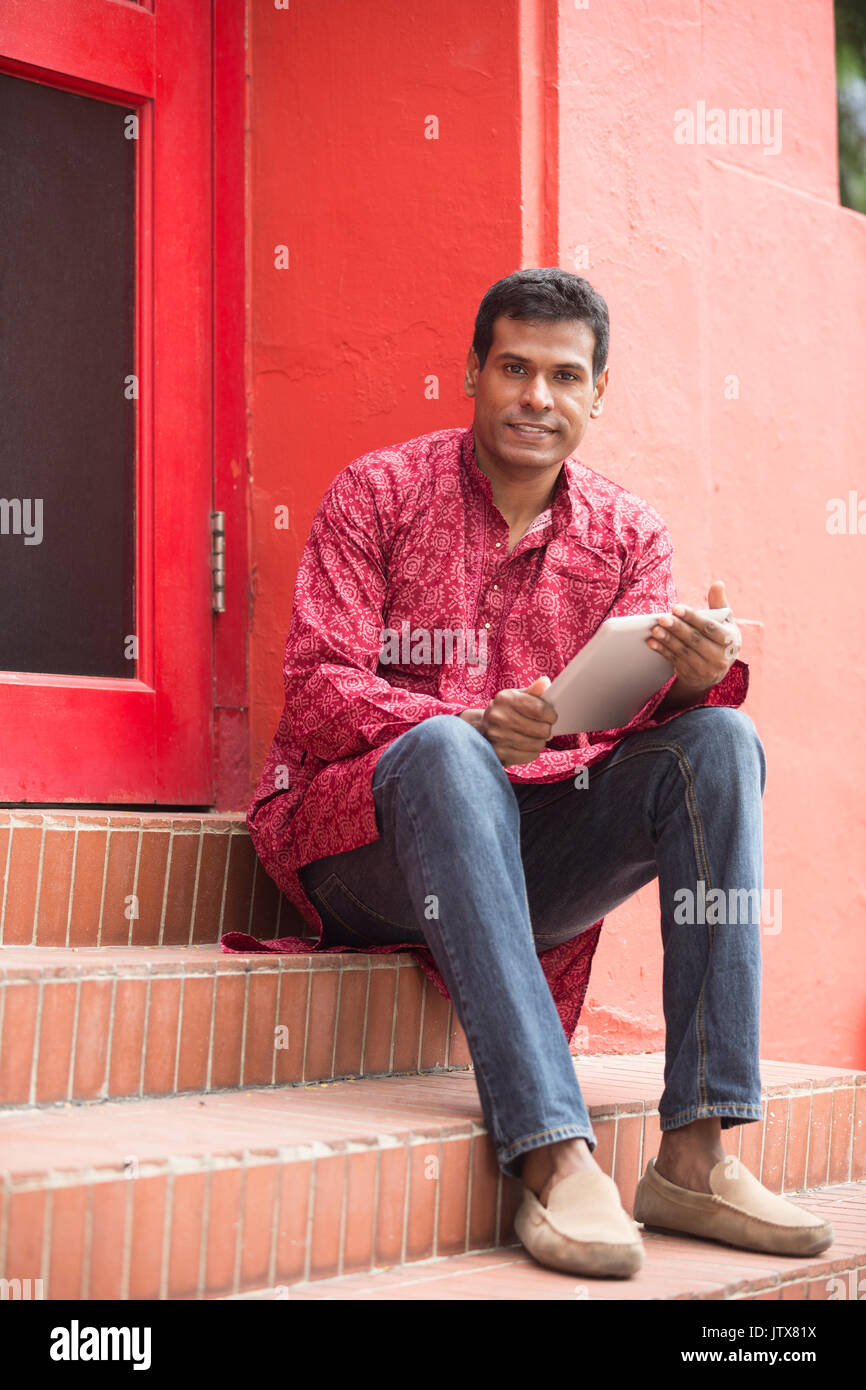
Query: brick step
[189, 1197]
[676, 1267]
[92, 878]
[96, 1023]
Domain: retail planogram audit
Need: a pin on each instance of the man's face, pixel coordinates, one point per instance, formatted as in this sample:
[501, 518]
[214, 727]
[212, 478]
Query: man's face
[535, 375]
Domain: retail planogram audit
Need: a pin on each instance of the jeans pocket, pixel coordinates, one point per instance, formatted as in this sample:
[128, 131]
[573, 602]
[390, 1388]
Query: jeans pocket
[349, 922]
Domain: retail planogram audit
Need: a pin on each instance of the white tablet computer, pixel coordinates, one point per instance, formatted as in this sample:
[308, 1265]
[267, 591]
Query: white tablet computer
[613, 676]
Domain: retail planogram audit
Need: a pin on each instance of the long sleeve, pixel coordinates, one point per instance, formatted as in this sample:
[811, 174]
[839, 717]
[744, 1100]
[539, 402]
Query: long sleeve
[649, 587]
[338, 706]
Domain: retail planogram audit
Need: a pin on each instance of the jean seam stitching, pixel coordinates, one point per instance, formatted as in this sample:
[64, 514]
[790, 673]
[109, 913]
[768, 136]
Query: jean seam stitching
[539, 1134]
[317, 896]
[700, 855]
[733, 1109]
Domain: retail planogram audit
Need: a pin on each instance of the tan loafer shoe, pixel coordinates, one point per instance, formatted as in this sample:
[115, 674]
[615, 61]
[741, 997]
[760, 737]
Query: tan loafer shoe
[583, 1229]
[738, 1211]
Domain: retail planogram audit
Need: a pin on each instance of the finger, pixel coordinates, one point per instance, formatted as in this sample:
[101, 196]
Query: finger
[502, 731]
[696, 665]
[508, 755]
[732, 650]
[674, 636]
[543, 681]
[711, 628]
[530, 706]
[734, 641]
[724, 634]
[713, 642]
[503, 716]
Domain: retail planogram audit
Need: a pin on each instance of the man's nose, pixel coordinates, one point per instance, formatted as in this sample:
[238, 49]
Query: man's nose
[537, 394]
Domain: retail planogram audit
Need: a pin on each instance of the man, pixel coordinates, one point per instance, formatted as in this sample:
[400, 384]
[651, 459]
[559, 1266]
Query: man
[417, 792]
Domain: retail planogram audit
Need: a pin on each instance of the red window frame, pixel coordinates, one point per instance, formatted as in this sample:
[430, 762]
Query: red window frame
[151, 740]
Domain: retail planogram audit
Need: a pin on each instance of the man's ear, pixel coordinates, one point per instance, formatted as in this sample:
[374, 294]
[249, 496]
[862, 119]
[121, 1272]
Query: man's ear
[471, 374]
[598, 394]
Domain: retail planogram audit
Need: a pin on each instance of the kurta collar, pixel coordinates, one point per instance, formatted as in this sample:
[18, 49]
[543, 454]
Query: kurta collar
[556, 518]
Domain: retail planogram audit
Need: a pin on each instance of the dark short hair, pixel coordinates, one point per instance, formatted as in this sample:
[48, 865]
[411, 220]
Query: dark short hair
[546, 294]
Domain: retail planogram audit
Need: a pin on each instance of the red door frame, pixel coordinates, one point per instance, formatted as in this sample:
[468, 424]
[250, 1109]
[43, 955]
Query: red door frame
[231, 368]
[151, 740]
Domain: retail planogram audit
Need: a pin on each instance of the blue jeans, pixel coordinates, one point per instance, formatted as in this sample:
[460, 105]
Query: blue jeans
[488, 874]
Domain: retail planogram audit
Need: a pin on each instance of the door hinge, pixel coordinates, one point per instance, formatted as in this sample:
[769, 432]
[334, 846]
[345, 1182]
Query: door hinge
[218, 560]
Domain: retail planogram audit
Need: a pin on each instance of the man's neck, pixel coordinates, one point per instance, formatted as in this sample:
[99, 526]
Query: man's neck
[520, 496]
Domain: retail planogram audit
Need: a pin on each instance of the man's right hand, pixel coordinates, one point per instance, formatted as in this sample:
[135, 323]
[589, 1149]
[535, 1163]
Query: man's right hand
[518, 723]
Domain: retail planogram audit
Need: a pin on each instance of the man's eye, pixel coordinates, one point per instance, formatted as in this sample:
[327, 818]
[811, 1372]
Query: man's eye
[563, 376]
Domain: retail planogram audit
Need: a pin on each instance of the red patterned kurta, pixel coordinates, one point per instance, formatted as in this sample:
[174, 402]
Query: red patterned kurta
[410, 534]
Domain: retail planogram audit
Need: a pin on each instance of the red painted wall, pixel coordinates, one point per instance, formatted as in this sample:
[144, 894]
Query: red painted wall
[556, 145]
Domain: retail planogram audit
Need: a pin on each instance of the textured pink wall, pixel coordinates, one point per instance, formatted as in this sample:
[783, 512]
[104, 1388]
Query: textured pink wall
[556, 145]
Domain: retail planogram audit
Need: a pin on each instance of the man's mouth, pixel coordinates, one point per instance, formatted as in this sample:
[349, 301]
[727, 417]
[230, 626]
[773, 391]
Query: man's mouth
[530, 431]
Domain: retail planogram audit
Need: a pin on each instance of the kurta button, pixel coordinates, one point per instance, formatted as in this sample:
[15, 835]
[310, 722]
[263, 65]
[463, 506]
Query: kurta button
[498, 544]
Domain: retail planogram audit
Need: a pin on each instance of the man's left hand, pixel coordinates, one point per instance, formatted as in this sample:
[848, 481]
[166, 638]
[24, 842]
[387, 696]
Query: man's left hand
[700, 650]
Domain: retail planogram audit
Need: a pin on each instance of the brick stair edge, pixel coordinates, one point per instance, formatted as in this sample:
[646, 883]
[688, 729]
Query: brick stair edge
[314, 1203]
